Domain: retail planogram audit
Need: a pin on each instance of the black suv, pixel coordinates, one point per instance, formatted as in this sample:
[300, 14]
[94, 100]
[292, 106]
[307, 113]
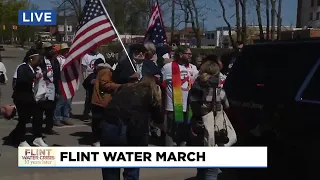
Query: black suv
[274, 93]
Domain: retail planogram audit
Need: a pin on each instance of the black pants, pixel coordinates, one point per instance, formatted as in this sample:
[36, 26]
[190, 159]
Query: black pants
[47, 108]
[97, 116]
[26, 111]
[87, 104]
[175, 132]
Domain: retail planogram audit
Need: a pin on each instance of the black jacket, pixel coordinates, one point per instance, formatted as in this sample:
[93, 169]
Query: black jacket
[124, 70]
[87, 85]
[23, 88]
[134, 106]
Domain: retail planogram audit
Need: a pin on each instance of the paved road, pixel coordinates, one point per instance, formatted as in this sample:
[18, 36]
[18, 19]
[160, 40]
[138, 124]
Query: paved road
[76, 135]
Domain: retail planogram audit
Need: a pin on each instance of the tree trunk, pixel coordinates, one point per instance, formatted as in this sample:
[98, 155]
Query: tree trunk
[172, 20]
[244, 21]
[194, 19]
[279, 19]
[198, 35]
[258, 9]
[228, 24]
[273, 19]
[238, 19]
[268, 20]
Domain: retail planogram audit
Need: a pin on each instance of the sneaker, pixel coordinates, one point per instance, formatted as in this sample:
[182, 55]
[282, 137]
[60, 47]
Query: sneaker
[96, 144]
[67, 122]
[58, 123]
[39, 142]
[24, 144]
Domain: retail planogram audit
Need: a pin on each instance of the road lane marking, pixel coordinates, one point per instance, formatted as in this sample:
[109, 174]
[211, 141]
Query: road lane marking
[72, 126]
[78, 102]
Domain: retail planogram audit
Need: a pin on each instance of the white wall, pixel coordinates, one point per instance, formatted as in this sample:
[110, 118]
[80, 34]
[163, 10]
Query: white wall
[306, 10]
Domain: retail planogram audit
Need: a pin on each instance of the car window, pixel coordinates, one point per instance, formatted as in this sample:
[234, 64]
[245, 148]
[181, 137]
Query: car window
[264, 73]
[310, 89]
[247, 75]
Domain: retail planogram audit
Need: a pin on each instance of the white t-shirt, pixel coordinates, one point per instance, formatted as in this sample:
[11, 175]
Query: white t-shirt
[166, 56]
[61, 59]
[88, 61]
[49, 69]
[186, 73]
[3, 71]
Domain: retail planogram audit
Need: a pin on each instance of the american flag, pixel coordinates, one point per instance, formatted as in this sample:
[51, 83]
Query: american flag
[93, 30]
[155, 31]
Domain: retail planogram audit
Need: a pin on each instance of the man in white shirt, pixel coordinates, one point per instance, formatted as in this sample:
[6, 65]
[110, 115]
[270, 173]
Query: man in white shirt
[88, 60]
[176, 133]
[87, 63]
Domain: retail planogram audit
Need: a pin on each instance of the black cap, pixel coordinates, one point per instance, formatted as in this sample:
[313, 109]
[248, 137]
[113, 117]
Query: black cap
[138, 48]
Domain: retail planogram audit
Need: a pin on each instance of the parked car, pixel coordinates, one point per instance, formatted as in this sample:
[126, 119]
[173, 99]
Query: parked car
[274, 93]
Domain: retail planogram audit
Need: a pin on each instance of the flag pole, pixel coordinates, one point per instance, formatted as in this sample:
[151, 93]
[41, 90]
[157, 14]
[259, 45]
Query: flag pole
[114, 28]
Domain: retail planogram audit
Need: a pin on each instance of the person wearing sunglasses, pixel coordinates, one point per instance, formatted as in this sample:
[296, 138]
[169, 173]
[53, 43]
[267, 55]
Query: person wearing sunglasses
[124, 72]
[178, 78]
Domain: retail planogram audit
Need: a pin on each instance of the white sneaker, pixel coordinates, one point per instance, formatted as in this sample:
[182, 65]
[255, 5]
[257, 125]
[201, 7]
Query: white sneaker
[24, 144]
[96, 144]
[39, 142]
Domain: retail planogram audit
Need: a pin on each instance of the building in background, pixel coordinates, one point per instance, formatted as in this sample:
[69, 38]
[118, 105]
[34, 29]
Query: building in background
[308, 14]
[59, 30]
[218, 37]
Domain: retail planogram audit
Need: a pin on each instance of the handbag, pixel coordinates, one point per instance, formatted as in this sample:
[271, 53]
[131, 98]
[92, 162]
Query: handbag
[218, 128]
[40, 88]
[224, 132]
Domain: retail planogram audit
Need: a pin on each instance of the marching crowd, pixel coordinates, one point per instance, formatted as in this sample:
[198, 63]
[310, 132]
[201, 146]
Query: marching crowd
[165, 87]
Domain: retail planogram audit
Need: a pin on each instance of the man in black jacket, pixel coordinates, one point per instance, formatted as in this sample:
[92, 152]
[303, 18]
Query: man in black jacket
[124, 73]
[51, 73]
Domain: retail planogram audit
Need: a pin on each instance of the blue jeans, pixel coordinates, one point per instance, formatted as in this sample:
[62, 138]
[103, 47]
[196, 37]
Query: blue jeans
[118, 135]
[207, 173]
[62, 111]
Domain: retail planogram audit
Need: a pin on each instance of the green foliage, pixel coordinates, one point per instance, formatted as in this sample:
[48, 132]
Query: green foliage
[9, 17]
[129, 16]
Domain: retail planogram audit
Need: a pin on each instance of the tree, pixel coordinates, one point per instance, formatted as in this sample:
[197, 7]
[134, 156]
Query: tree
[183, 4]
[279, 19]
[258, 10]
[172, 20]
[243, 4]
[26, 32]
[238, 19]
[273, 19]
[194, 14]
[224, 16]
[73, 6]
[267, 19]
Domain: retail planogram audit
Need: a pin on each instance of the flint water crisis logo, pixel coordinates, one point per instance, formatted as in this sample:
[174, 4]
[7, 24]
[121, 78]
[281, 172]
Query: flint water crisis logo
[37, 17]
[37, 157]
